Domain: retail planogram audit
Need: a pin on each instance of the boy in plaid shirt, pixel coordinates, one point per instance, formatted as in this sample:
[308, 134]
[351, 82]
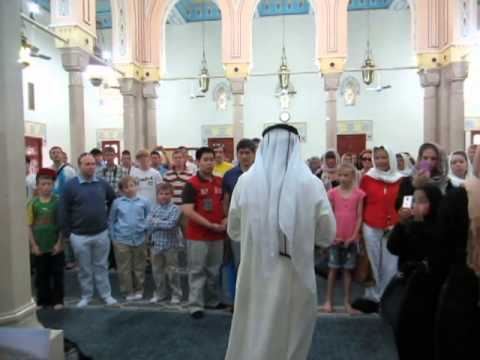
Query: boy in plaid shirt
[111, 172]
[164, 225]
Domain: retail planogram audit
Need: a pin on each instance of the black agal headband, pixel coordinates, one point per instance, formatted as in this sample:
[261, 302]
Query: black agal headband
[286, 127]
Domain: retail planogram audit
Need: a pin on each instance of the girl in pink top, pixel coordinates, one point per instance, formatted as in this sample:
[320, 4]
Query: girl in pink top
[347, 204]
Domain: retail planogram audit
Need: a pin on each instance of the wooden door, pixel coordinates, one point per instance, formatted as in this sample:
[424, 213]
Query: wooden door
[115, 144]
[354, 144]
[33, 149]
[227, 144]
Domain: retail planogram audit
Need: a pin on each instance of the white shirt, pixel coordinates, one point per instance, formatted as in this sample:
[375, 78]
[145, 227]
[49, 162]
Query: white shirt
[191, 167]
[147, 183]
[31, 183]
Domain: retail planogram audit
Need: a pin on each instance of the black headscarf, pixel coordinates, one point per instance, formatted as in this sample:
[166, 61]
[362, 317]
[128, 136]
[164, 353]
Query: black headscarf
[434, 196]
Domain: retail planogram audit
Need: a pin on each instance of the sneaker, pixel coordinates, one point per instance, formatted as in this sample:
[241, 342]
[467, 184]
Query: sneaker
[138, 296]
[175, 301]
[58, 307]
[83, 303]
[130, 297]
[154, 299]
[197, 314]
[110, 301]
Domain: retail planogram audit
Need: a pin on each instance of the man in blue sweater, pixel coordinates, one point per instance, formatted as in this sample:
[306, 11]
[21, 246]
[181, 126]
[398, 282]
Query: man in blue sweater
[84, 213]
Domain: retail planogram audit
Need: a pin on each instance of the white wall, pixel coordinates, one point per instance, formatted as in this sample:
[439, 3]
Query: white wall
[396, 113]
[180, 118]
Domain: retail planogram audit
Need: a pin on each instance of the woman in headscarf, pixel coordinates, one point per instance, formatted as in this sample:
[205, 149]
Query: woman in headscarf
[431, 168]
[411, 311]
[458, 251]
[405, 166]
[381, 185]
[366, 161]
[329, 172]
[458, 168]
[347, 158]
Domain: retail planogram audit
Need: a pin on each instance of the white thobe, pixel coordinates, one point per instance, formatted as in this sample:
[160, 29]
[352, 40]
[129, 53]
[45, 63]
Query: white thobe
[274, 319]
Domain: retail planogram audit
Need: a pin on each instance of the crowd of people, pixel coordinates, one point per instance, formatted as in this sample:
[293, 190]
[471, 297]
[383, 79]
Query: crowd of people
[408, 229]
[156, 213]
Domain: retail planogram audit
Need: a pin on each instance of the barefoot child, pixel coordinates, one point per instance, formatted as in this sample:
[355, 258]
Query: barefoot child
[46, 241]
[347, 204]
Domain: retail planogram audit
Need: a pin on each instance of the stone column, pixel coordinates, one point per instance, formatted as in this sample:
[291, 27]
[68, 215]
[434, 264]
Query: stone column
[140, 125]
[430, 80]
[75, 61]
[238, 92]
[150, 93]
[331, 85]
[130, 89]
[17, 308]
[443, 108]
[457, 73]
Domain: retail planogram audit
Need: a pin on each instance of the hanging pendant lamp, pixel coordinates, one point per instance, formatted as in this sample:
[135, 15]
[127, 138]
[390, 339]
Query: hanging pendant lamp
[368, 67]
[284, 71]
[204, 77]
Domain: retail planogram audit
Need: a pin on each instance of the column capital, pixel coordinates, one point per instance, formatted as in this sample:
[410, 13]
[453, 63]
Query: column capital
[75, 36]
[331, 82]
[457, 71]
[236, 71]
[332, 65]
[75, 59]
[150, 90]
[429, 77]
[129, 86]
[237, 86]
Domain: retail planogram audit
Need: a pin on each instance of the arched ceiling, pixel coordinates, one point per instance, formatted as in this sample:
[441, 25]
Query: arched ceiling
[187, 11]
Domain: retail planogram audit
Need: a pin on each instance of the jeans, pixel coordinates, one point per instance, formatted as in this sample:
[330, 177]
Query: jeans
[91, 252]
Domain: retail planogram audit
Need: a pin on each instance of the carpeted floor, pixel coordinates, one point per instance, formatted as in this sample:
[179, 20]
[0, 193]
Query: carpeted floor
[139, 334]
[72, 289]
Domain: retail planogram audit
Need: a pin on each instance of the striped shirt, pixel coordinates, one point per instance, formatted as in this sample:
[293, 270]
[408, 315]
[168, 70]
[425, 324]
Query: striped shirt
[178, 181]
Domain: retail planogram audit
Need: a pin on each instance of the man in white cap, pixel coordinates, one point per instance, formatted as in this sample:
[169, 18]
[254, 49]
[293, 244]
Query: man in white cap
[279, 212]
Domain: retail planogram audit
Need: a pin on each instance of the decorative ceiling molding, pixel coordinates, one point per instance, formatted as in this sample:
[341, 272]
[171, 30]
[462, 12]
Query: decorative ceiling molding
[355, 5]
[188, 11]
[280, 8]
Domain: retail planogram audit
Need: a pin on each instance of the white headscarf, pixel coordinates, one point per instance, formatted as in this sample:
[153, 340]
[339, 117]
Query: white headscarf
[390, 176]
[454, 179]
[281, 195]
[408, 169]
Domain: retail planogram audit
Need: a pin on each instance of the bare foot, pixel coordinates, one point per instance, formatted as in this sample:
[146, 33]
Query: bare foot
[327, 307]
[351, 311]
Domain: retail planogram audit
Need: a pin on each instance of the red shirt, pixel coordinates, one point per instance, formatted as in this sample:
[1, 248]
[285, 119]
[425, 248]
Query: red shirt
[207, 196]
[379, 206]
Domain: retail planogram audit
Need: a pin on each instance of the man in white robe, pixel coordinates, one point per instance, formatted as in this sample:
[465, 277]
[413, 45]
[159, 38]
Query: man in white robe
[279, 212]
